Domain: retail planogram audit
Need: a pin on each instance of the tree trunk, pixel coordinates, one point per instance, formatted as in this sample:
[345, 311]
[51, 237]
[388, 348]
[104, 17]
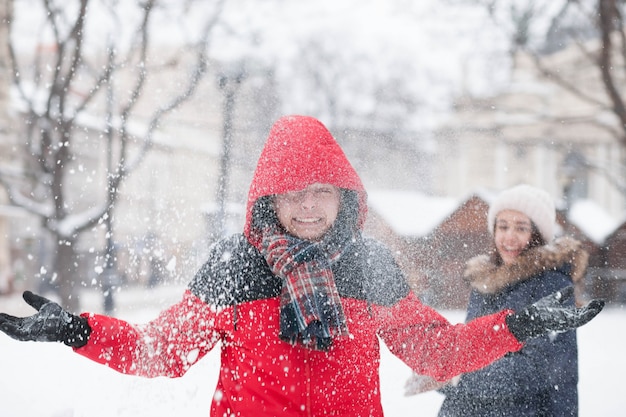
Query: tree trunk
[65, 270]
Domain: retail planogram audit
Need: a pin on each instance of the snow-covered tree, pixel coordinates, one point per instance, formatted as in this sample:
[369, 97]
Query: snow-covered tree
[89, 96]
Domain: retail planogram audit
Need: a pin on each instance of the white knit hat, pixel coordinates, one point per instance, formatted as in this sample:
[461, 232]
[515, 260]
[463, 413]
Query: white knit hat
[533, 202]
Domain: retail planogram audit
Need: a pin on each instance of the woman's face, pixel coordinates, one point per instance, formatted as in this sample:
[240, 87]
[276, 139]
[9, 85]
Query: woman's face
[309, 213]
[512, 234]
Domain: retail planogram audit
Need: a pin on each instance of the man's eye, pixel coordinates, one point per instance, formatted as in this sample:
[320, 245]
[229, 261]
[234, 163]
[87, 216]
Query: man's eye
[323, 191]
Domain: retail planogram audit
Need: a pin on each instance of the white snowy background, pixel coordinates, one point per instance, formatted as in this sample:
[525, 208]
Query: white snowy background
[50, 380]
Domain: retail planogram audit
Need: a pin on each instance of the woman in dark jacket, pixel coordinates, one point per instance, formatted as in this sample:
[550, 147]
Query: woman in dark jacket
[541, 379]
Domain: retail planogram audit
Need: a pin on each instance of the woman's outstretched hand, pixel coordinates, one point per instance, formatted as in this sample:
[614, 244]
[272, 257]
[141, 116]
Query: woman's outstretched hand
[552, 313]
[51, 323]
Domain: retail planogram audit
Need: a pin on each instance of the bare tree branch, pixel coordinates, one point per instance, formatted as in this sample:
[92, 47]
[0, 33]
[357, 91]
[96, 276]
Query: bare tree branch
[59, 86]
[566, 84]
[197, 73]
[608, 19]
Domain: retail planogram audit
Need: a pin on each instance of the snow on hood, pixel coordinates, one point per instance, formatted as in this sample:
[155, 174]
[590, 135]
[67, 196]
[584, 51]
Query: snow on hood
[298, 152]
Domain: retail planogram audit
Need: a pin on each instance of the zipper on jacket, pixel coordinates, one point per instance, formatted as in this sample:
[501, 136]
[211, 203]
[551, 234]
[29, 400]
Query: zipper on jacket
[307, 374]
[235, 301]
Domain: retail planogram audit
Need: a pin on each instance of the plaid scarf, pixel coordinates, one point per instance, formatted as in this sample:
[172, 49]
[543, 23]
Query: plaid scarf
[311, 313]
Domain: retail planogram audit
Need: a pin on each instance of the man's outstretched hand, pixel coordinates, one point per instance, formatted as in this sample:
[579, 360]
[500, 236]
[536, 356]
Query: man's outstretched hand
[50, 324]
[552, 313]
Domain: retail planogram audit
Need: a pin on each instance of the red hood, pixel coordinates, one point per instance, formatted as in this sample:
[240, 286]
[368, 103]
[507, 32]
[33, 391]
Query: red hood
[300, 151]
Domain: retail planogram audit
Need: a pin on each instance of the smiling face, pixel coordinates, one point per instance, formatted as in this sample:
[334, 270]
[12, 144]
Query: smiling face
[513, 231]
[309, 213]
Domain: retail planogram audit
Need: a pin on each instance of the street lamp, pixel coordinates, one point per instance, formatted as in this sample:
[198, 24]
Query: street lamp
[574, 169]
[229, 80]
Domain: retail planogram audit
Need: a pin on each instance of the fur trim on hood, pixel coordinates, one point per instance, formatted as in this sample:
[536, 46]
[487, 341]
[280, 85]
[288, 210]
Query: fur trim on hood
[487, 278]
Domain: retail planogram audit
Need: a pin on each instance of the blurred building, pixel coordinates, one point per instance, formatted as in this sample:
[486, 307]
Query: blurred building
[432, 238]
[536, 132]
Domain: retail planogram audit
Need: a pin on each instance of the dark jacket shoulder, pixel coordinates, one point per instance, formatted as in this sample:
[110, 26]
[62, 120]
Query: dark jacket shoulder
[236, 272]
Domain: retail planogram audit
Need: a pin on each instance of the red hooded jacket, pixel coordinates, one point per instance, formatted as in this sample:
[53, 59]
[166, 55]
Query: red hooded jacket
[234, 301]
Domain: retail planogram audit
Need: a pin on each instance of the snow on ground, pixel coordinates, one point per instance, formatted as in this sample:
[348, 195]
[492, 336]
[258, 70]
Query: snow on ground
[49, 380]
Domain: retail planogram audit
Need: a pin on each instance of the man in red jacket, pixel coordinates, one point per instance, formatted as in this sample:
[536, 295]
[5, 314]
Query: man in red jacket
[298, 301]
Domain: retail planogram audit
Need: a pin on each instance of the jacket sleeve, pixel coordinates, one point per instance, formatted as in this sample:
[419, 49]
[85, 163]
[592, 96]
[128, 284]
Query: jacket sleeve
[419, 335]
[167, 346]
[430, 345]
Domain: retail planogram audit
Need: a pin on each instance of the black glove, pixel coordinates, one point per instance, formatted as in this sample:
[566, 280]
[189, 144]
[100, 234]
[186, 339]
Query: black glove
[552, 313]
[50, 324]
